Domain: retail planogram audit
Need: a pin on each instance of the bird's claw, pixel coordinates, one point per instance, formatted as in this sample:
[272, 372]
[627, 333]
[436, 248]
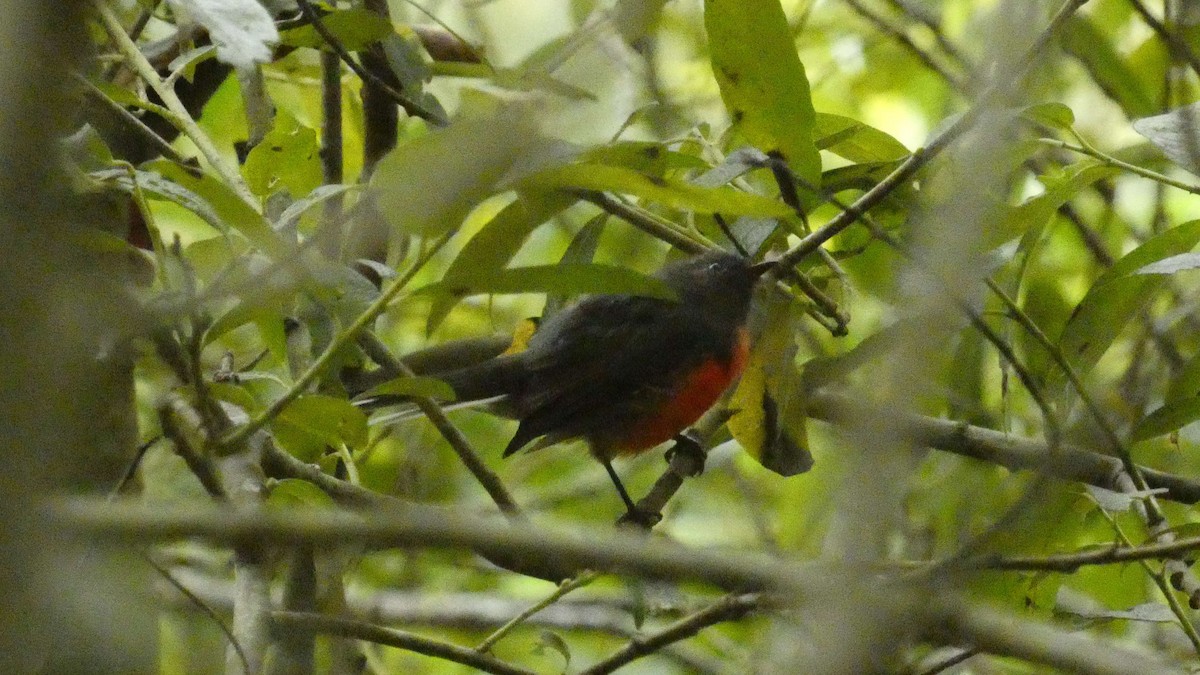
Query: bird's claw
[640, 518]
[689, 449]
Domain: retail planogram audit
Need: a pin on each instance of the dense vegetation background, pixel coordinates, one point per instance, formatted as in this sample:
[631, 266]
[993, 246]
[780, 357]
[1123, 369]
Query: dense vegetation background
[225, 221]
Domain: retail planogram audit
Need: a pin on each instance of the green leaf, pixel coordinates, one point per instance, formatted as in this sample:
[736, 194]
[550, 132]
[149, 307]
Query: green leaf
[406, 57]
[235, 394]
[262, 307]
[581, 250]
[553, 641]
[1036, 213]
[673, 193]
[286, 158]
[559, 279]
[856, 141]
[355, 28]
[312, 422]
[497, 242]
[1186, 384]
[1169, 418]
[1054, 115]
[1173, 264]
[1117, 296]
[770, 422]
[429, 387]
[231, 209]
[762, 80]
[185, 64]
[129, 98]
[156, 186]
[213, 256]
[428, 185]
[408, 61]
[653, 158]
[862, 176]
[291, 215]
[293, 492]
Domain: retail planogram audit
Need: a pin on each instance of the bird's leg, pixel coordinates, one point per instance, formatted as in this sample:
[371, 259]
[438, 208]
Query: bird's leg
[633, 515]
[690, 450]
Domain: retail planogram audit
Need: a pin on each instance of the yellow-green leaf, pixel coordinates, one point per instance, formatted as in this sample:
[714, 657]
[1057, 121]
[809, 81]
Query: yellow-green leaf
[673, 193]
[762, 80]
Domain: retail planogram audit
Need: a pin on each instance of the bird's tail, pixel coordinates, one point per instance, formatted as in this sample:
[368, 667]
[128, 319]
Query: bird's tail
[500, 376]
[484, 384]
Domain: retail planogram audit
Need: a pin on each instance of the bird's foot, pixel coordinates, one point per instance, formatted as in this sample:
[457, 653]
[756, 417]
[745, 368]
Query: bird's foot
[690, 453]
[640, 519]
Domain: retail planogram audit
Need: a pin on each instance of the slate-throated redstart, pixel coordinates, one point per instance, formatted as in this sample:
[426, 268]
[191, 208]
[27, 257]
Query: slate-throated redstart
[624, 372]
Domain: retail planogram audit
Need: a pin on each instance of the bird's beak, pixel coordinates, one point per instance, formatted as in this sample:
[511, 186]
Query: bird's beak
[759, 269]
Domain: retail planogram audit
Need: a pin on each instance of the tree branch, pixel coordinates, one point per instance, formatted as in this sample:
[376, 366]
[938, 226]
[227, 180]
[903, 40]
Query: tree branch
[1069, 463]
[361, 630]
[729, 608]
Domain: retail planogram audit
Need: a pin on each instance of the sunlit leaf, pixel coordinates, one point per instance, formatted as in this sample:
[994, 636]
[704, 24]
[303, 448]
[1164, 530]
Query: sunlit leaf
[653, 158]
[1169, 418]
[291, 493]
[287, 157]
[355, 28]
[314, 421]
[769, 420]
[762, 80]
[231, 209]
[1118, 295]
[855, 140]
[1054, 115]
[668, 192]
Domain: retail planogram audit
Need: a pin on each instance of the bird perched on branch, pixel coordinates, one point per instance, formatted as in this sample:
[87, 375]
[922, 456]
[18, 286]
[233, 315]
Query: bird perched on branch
[624, 372]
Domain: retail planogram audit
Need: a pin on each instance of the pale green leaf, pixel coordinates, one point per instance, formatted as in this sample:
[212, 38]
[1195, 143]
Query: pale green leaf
[762, 80]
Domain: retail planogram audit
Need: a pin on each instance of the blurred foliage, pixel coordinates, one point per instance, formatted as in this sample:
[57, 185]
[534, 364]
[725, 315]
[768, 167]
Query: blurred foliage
[583, 140]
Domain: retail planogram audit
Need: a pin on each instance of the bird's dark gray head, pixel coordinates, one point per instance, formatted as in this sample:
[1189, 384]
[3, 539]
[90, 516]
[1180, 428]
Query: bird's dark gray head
[720, 282]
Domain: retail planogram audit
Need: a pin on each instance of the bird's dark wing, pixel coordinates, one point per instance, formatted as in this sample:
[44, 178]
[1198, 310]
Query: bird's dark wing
[599, 362]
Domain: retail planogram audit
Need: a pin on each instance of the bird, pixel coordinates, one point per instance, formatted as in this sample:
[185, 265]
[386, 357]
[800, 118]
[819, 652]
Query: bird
[625, 373]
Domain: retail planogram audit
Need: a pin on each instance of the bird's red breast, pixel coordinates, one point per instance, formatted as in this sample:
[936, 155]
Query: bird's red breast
[699, 390]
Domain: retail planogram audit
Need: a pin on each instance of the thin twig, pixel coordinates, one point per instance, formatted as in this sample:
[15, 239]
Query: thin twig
[410, 106]
[361, 630]
[583, 579]
[132, 121]
[458, 442]
[897, 32]
[921, 156]
[997, 447]
[332, 153]
[1178, 47]
[728, 608]
[180, 115]
[646, 222]
[203, 606]
[1087, 149]
[345, 338]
